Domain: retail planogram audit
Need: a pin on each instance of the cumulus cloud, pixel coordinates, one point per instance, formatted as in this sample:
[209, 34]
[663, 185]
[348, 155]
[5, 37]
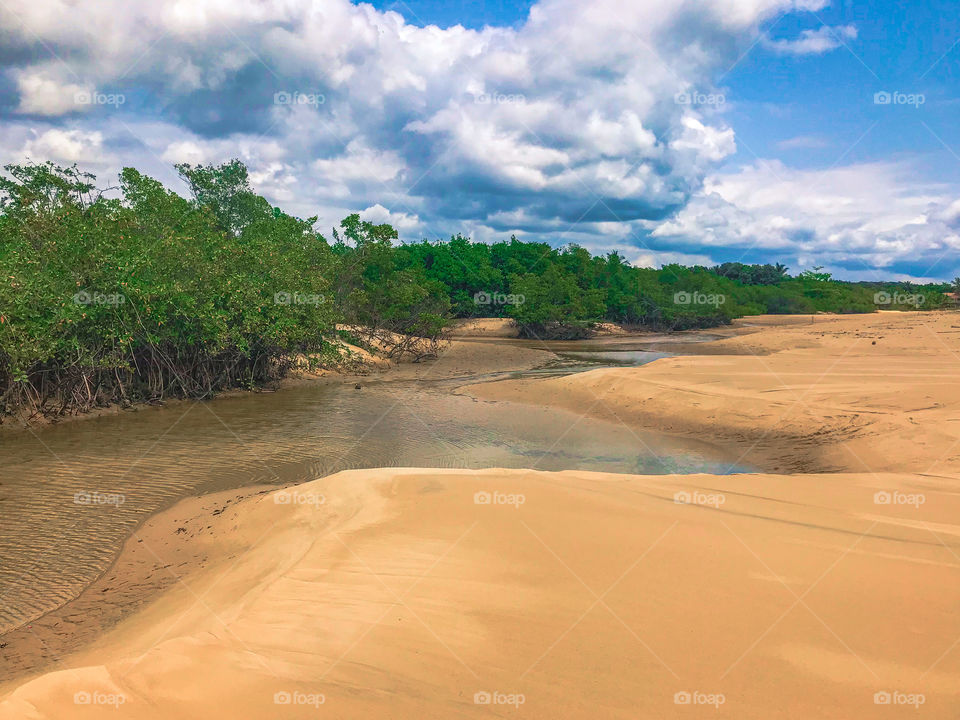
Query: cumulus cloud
[459, 124]
[566, 127]
[65, 147]
[43, 93]
[858, 217]
[401, 221]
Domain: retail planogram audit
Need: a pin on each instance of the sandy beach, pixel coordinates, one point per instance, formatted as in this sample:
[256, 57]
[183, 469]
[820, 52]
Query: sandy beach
[827, 586]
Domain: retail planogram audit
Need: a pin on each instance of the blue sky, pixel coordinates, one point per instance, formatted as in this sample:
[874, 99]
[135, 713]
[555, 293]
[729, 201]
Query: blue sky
[469, 13]
[699, 131]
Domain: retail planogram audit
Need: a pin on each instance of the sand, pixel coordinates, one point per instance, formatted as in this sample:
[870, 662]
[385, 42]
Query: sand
[864, 393]
[410, 593]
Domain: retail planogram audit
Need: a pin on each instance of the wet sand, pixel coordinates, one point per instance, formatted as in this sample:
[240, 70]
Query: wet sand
[415, 593]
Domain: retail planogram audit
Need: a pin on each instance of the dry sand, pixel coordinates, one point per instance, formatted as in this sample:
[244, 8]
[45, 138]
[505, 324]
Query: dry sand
[403, 594]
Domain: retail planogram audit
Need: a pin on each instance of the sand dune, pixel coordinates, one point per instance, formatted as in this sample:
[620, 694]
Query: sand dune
[410, 593]
[402, 593]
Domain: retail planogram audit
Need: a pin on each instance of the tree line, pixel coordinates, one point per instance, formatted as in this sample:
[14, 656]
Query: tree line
[136, 293]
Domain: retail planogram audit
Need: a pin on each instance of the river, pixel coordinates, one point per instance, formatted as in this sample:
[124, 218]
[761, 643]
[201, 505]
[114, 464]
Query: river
[70, 494]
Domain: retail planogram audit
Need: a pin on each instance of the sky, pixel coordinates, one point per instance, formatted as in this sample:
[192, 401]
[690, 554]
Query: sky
[693, 131]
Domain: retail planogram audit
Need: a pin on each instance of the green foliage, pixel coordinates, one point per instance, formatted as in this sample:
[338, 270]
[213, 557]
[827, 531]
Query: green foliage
[752, 274]
[149, 294]
[815, 274]
[394, 303]
[553, 304]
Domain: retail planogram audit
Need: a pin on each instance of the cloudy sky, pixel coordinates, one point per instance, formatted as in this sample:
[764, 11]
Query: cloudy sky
[693, 131]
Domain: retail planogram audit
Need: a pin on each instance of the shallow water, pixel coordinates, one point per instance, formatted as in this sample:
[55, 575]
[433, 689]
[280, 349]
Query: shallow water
[70, 495]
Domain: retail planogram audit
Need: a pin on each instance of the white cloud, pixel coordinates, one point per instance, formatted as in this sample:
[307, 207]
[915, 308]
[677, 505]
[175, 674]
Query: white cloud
[185, 151]
[42, 92]
[814, 42]
[657, 259]
[864, 215]
[65, 147]
[401, 221]
[564, 127]
[402, 101]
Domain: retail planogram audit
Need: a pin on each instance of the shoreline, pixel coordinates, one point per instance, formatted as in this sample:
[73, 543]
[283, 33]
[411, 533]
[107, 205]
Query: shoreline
[444, 367]
[483, 330]
[477, 351]
[35, 643]
[38, 643]
[869, 415]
